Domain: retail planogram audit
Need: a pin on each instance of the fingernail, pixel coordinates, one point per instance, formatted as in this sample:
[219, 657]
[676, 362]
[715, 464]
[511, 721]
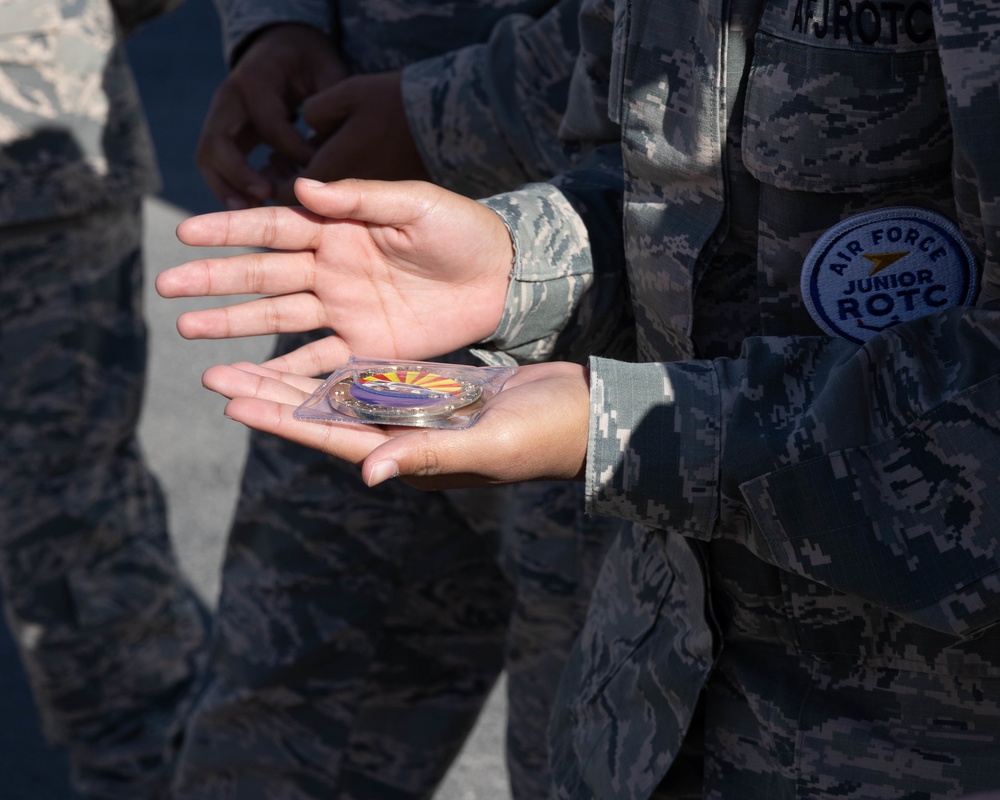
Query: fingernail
[312, 184]
[382, 471]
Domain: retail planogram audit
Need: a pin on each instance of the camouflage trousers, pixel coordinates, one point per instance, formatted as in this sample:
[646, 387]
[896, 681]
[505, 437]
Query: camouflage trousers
[108, 631]
[360, 630]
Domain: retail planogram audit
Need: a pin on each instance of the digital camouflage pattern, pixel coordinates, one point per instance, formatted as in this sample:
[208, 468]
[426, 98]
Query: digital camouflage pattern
[107, 629]
[360, 630]
[241, 19]
[73, 136]
[486, 117]
[484, 91]
[348, 620]
[814, 551]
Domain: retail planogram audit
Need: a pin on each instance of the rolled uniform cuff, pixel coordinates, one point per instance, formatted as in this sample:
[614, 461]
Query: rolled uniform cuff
[552, 270]
[653, 454]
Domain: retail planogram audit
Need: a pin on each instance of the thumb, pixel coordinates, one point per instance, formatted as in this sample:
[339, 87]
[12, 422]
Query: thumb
[318, 358]
[325, 110]
[426, 459]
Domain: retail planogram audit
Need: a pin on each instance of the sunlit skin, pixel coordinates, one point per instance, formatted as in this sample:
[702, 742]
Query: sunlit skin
[398, 269]
[535, 429]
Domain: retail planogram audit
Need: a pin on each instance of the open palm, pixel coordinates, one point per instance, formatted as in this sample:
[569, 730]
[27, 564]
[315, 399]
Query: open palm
[395, 269]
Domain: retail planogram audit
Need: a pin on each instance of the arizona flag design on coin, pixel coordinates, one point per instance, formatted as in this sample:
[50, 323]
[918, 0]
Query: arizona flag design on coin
[405, 388]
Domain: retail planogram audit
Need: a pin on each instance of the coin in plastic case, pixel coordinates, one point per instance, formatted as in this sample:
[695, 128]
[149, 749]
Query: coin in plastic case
[403, 395]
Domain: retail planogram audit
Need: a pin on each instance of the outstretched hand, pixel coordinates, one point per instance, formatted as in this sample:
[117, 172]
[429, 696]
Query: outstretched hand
[396, 269]
[535, 429]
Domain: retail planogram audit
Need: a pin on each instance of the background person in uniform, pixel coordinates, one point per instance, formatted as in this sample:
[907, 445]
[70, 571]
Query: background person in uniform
[366, 628]
[108, 631]
[812, 571]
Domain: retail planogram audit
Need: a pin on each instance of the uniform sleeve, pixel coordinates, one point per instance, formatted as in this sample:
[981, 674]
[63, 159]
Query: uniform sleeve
[568, 295]
[871, 470]
[485, 118]
[133, 13]
[491, 116]
[242, 18]
[968, 33]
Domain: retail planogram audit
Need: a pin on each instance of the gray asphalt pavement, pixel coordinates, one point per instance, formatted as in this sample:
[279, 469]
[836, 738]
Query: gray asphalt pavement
[195, 451]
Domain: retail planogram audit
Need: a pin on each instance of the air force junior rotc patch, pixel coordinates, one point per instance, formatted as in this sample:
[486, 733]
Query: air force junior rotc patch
[882, 267]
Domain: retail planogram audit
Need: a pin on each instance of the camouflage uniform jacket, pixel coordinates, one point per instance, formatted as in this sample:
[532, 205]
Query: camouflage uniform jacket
[483, 116]
[73, 136]
[817, 532]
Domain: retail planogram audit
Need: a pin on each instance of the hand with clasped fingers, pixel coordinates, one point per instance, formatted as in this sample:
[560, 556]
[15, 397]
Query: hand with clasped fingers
[256, 105]
[353, 126]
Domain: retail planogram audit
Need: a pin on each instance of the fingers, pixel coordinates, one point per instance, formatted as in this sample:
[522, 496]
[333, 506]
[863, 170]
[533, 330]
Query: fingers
[347, 442]
[265, 400]
[273, 122]
[222, 147]
[268, 404]
[244, 379]
[250, 273]
[352, 114]
[292, 313]
[325, 110]
[256, 105]
[273, 227]
[389, 203]
[428, 459]
[347, 154]
[535, 429]
[316, 358]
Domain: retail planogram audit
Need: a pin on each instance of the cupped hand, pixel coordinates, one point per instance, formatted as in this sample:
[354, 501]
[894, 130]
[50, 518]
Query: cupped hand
[257, 104]
[535, 429]
[397, 269]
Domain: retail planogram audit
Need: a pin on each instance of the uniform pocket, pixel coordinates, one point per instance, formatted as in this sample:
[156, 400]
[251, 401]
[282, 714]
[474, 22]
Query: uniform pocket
[844, 119]
[630, 688]
[909, 524]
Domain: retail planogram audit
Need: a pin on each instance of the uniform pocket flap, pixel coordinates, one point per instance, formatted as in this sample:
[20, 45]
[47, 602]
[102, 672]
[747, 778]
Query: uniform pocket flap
[844, 120]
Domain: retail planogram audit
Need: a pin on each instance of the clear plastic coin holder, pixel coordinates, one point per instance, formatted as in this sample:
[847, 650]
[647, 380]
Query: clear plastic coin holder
[420, 394]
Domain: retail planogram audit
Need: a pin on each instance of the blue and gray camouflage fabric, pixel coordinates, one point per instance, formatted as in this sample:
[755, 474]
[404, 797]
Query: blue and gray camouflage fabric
[485, 117]
[74, 136]
[108, 630]
[810, 591]
[360, 630]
